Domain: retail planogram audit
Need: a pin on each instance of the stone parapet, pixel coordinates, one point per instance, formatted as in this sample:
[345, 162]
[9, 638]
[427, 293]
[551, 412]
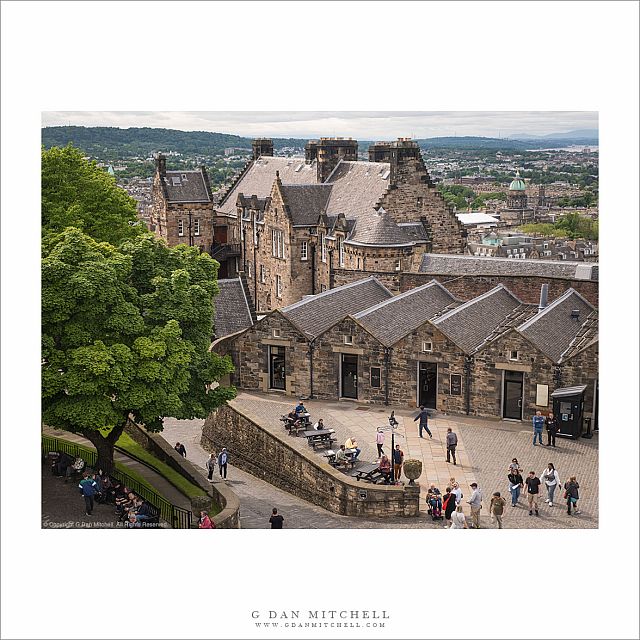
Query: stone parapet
[263, 452]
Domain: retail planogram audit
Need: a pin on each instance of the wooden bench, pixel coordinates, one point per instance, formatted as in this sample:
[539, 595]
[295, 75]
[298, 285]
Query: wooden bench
[368, 472]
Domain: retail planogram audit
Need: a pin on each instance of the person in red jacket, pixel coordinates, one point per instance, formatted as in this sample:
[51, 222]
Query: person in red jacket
[205, 522]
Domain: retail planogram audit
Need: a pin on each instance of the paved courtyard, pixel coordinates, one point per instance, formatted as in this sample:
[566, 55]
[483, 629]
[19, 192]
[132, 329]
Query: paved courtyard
[485, 449]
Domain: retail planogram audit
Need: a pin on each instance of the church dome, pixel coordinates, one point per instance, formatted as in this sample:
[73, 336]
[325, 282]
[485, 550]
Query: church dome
[517, 184]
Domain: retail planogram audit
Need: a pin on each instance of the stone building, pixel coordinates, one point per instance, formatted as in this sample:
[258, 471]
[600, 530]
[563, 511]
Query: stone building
[492, 356]
[517, 210]
[297, 220]
[182, 206]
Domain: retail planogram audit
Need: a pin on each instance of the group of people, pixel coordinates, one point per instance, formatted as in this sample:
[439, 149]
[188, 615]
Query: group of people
[221, 460]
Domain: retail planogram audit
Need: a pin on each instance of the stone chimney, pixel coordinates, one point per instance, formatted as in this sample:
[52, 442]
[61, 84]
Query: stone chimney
[331, 151]
[262, 147]
[380, 152]
[544, 293]
[404, 154]
[311, 151]
[161, 164]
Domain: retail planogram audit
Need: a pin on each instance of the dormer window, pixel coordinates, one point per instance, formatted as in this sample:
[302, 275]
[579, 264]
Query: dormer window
[276, 333]
[427, 347]
[348, 339]
[513, 355]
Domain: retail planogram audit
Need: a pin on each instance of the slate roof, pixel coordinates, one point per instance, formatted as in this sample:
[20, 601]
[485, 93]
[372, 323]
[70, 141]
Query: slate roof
[392, 319]
[315, 314]
[472, 323]
[356, 187]
[442, 264]
[553, 329]
[192, 188]
[306, 201]
[232, 309]
[379, 228]
[259, 178]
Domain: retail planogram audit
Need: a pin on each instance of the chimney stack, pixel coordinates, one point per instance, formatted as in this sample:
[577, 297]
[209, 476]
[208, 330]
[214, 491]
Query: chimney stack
[161, 164]
[544, 293]
[262, 147]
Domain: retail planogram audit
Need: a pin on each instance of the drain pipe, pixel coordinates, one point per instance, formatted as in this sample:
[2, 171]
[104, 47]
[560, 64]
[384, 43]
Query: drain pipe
[468, 360]
[311, 349]
[387, 358]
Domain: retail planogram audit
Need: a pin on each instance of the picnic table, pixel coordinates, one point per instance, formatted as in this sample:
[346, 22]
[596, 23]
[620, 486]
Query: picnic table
[319, 437]
[302, 423]
[350, 453]
[369, 472]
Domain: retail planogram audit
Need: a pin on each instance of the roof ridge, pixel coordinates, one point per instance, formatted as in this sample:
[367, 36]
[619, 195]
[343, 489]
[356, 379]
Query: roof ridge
[469, 303]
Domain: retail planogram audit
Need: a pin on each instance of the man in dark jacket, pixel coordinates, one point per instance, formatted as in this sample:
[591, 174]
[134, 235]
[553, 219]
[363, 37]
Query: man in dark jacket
[552, 428]
[423, 416]
[452, 443]
[223, 459]
[88, 488]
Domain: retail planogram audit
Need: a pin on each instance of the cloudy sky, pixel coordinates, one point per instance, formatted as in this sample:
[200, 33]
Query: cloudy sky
[358, 124]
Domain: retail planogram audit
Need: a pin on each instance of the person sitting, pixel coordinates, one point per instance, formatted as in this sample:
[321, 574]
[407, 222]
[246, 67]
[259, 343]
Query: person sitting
[143, 510]
[126, 505]
[180, 448]
[434, 498]
[352, 443]
[319, 426]
[341, 457]
[300, 409]
[384, 467]
[205, 522]
[63, 463]
[131, 522]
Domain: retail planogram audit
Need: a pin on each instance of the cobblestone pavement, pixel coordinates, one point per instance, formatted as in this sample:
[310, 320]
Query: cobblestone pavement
[485, 450]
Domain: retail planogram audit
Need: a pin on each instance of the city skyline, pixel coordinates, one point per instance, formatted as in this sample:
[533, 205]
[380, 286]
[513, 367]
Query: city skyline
[365, 125]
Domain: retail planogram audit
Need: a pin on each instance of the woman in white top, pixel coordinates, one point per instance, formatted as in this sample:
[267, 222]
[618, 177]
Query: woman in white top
[458, 521]
[551, 481]
[455, 489]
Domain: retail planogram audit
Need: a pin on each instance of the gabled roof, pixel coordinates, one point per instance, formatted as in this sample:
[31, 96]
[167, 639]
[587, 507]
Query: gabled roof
[190, 188]
[315, 314]
[232, 309]
[380, 228]
[473, 322]
[306, 202]
[443, 264]
[357, 187]
[392, 319]
[553, 329]
[259, 177]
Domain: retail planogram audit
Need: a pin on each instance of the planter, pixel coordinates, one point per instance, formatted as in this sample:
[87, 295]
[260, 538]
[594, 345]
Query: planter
[412, 469]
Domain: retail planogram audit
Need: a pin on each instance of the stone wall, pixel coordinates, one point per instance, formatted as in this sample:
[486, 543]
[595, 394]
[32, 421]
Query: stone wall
[261, 451]
[582, 368]
[222, 497]
[526, 288]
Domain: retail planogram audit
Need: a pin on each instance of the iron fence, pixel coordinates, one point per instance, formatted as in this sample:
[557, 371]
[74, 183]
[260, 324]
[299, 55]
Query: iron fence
[177, 517]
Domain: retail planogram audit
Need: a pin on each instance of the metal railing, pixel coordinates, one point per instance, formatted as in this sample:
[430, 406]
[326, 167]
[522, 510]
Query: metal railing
[177, 517]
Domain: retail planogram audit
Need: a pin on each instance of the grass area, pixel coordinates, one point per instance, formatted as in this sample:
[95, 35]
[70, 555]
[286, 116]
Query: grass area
[127, 444]
[136, 476]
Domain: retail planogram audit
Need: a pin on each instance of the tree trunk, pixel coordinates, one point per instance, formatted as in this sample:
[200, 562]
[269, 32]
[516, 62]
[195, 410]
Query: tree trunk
[104, 447]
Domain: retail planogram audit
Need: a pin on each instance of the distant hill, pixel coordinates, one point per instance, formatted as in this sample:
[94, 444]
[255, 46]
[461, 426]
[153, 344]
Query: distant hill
[472, 142]
[578, 136]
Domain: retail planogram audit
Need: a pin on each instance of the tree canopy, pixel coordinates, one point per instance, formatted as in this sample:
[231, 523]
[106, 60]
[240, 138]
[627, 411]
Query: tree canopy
[78, 193]
[126, 333]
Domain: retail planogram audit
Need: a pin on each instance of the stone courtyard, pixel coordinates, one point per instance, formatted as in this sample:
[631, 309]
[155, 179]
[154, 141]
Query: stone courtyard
[485, 449]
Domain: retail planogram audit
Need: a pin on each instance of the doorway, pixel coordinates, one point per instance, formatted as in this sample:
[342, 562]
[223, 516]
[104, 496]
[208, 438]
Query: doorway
[349, 376]
[512, 395]
[427, 384]
[277, 360]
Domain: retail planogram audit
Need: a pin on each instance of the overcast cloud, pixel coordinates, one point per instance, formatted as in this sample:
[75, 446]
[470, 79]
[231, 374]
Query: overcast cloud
[365, 125]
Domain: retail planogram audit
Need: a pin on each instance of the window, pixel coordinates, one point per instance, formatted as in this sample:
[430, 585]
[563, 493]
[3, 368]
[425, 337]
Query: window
[427, 346]
[348, 339]
[513, 355]
[196, 227]
[180, 227]
[279, 286]
[276, 333]
[262, 274]
[419, 201]
[359, 264]
[341, 251]
[323, 287]
[277, 243]
[248, 269]
[323, 244]
[398, 265]
[375, 377]
[303, 250]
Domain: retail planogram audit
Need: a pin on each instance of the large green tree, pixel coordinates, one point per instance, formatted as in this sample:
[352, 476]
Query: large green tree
[126, 335]
[78, 193]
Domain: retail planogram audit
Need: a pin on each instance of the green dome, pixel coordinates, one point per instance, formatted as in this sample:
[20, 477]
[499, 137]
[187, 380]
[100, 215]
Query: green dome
[517, 184]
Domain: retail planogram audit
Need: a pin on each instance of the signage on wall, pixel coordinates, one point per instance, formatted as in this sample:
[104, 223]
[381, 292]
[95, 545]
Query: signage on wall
[456, 384]
[362, 494]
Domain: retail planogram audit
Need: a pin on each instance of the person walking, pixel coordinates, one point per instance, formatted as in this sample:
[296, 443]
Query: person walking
[458, 521]
[423, 416]
[276, 520]
[516, 484]
[205, 522]
[514, 466]
[571, 494]
[223, 460]
[551, 481]
[552, 428]
[211, 466]
[398, 459]
[88, 488]
[496, 508]
[180, 449]
[476, 504]
[380, 441]
[533, 490]
[448, 506]
[452, 443]
[538, 425]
